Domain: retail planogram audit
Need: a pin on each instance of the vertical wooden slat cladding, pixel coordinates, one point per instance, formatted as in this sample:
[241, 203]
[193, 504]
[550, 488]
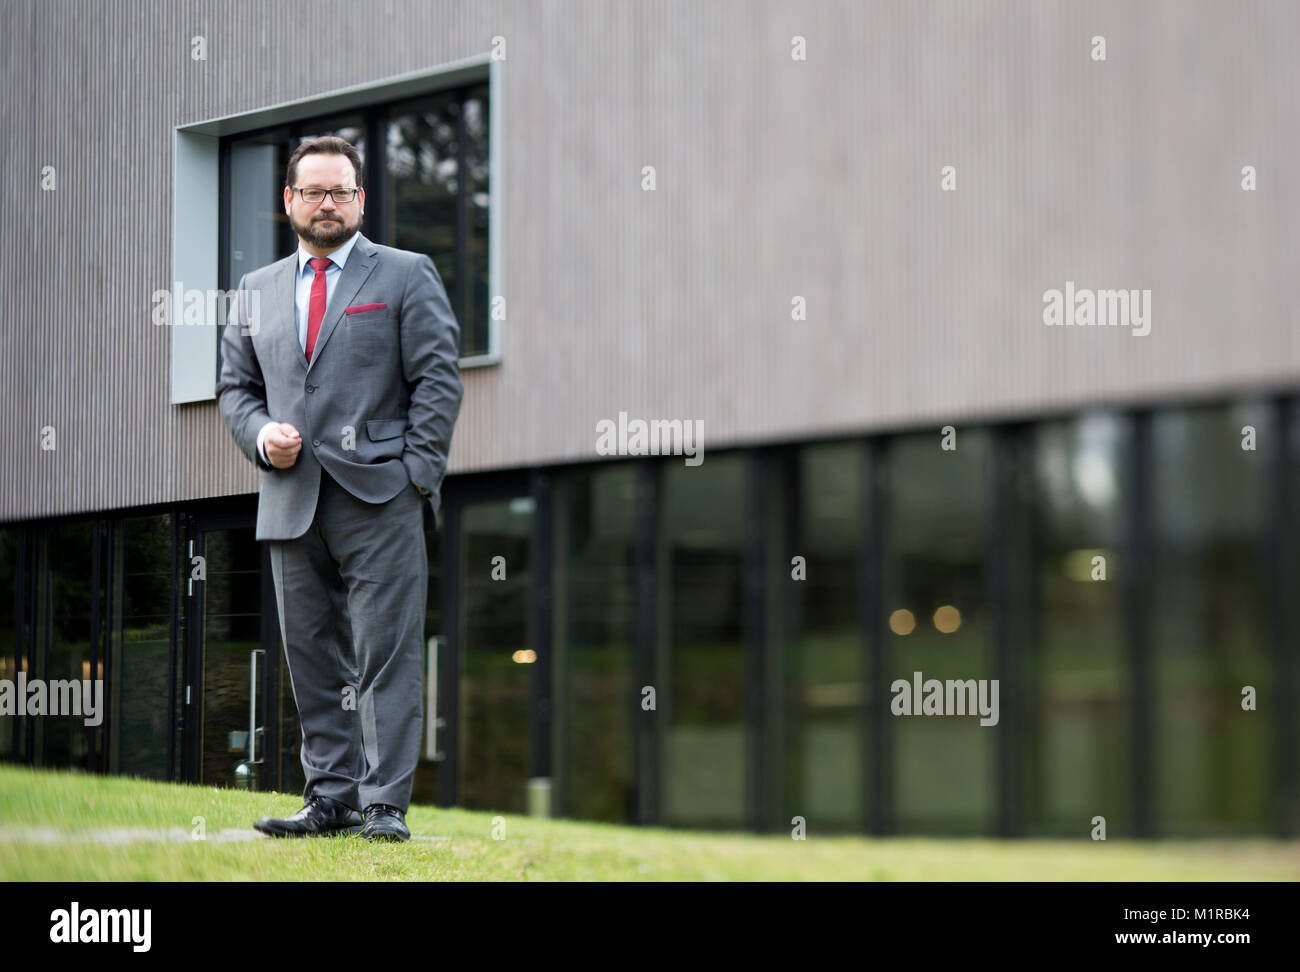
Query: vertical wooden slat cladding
[776, 178]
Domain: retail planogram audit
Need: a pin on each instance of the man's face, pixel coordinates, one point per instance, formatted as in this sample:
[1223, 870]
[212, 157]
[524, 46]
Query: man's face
[326, 224]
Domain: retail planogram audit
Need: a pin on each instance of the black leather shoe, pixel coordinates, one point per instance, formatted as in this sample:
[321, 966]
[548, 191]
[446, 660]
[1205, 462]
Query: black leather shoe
[385, 823]
[319, 817]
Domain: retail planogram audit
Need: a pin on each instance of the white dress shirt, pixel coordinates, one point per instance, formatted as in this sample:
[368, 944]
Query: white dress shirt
[302, 305]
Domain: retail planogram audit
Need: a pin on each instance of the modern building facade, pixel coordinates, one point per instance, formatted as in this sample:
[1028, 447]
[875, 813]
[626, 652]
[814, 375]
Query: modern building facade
[827, 233]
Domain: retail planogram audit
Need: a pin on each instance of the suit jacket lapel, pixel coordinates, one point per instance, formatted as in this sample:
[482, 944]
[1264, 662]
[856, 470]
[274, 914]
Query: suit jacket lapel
[286, 290]
[360, 262]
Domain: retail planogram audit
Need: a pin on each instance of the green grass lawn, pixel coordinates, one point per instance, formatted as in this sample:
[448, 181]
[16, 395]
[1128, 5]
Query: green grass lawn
[32, 802]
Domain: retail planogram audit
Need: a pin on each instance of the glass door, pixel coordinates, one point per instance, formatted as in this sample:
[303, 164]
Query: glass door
[496, 657]
[230, 694]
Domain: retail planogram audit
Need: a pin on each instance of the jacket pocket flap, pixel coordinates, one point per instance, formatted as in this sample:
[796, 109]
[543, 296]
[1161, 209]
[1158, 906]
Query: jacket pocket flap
[385, 428]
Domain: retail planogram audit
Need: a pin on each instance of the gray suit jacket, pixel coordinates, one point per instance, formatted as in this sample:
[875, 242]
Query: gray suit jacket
[377, 405]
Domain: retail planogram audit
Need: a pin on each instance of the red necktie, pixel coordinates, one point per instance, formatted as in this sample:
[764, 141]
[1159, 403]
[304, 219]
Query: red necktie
[316, 309]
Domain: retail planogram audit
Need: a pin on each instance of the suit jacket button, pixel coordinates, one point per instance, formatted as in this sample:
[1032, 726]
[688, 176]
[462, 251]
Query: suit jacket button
[315, 442]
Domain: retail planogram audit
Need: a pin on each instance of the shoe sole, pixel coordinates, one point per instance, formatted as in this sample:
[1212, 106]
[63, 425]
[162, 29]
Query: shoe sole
[272, 832]
[389, 837]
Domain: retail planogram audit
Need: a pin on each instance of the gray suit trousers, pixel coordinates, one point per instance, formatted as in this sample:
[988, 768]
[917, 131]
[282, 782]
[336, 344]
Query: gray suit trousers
[352, 594]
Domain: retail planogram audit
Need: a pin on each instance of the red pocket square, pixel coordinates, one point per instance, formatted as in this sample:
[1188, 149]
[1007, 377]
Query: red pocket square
[362, 308]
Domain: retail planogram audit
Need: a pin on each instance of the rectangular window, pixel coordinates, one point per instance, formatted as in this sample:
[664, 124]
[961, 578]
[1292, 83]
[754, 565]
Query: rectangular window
[701, 689]
[940, 624]
[1209, 614]
[68, 593]
[815, 679]
[140, 648]
[426, 175]
[8, 627]
[1078, 741]
[594, 619]
[437, 197]
[257, 230]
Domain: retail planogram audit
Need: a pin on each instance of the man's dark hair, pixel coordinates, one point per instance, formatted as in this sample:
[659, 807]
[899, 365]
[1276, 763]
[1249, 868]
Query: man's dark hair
[325, 145]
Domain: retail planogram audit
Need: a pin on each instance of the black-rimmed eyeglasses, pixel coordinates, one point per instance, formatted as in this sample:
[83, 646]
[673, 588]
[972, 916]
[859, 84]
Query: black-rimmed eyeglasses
[314, 194]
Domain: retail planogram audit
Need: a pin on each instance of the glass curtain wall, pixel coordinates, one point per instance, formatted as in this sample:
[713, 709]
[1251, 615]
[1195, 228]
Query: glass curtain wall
[1077, 747]
[144, 678]
[701, 684]
[939, 617]
[817, 688]
[595, 695]
[1210, 472]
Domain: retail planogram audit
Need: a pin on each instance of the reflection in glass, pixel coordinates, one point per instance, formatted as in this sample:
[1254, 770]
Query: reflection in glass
[823, 672]
[594, 640]
[1212, 760]
[232, 619]
[292, 779]
[701, 692]
[63, 740]
[437, 209]
[434, 194]
[258, 230]
[944, 767]
[350, 128]
[1076, 750]
[140, 648]
[495, 675]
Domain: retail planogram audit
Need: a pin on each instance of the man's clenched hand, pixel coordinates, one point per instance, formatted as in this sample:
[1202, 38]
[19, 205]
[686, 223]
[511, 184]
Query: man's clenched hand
[283, 443]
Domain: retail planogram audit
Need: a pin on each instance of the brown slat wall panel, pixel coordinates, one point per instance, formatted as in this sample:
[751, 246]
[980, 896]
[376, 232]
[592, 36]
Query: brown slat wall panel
[775, 178]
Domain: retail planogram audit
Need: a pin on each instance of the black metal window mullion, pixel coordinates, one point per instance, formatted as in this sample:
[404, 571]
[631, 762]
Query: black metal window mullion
[789, 617]
[449, 659]
[1137, 622]
[38, 619]
[753, 636]
[23, 604]
[646, 544]
[376, 122]
[192, 671]
[1010, 579]
[97, 575]
[877, 793]
[38, 660]
[1027, 712]
[543, 493]
[175, 631]
[1284, 575]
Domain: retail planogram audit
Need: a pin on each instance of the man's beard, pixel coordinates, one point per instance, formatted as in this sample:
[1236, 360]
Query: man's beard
[328, 236]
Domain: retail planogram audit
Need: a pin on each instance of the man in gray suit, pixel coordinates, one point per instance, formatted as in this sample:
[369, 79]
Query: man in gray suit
[344, 392]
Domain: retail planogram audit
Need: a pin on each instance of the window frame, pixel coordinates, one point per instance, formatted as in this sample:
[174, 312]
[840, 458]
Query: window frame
[200, 188]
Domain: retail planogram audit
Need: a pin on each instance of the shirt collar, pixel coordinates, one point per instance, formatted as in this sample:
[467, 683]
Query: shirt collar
[339, 256]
